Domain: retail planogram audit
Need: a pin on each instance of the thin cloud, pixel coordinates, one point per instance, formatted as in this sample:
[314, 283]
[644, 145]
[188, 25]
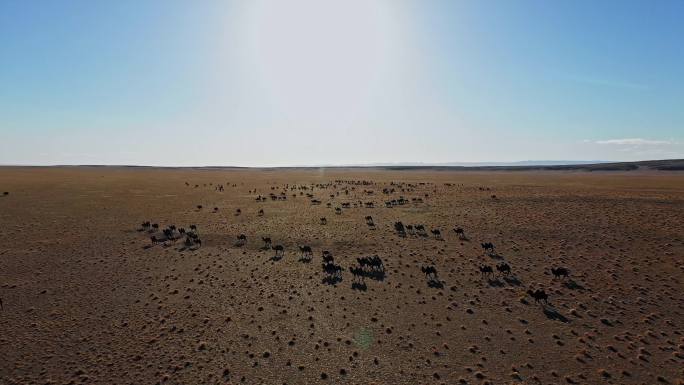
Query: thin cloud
[635, 142]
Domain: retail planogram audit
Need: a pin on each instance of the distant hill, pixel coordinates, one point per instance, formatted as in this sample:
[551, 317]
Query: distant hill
[662, 165]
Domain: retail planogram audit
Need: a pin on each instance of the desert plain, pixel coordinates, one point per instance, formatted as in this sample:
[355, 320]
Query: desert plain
[88, 298]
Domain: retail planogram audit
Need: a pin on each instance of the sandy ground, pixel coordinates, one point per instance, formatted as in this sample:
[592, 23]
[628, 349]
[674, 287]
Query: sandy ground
[88, 299]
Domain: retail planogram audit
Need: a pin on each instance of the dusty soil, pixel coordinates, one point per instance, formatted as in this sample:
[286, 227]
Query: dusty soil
[87, 298]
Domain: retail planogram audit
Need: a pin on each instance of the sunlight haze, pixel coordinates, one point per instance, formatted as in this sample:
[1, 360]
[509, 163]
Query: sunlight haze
[304, 82]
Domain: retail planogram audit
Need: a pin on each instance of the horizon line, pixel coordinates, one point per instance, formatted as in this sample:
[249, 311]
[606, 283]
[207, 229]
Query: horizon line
[521, 164]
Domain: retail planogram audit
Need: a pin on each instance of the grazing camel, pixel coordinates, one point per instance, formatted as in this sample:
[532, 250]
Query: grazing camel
[488, 247]
[486, 270]
[357, 273]
[267, 242]
[560, 272]
[430, 272]
[399, 227]
[261, 212]
[324, 221]
[539, 295]
[338, 210]
[306, 251]
[369, 221]
[332, 269]
[241, 239]
[374, 262]
[503, 268]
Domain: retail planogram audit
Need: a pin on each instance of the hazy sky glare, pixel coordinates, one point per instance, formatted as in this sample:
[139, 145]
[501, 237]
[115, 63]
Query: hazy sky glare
[306, 82]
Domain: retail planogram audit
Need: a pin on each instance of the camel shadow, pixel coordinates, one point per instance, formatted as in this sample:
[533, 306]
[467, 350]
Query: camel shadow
[361, 286]
[276, 257]
[513, 281]
[435, 284]
[305, 259]
[555, 315]
[332, 280]
[572, 285]
[147, 247]
[496, 282]
[495, 256]
[377, 275]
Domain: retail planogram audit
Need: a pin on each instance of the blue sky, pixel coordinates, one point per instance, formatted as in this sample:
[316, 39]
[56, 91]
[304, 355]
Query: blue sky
[308, 82]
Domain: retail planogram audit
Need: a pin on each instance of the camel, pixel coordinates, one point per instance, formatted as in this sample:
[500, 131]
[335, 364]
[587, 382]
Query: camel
[503, 268]
[267, 242]
[539, 295]
[241, 239]
[306, 251]
[324, 221]
[357, 273]
[374, 262]
[261, 212]
[430, 272]
[327, 256]
[399, 227]
[560, 272]
[460, 232]
[279, 249]
[486, 270]
[436, 233]
[487, 247]
[369, 221]
[332, 269]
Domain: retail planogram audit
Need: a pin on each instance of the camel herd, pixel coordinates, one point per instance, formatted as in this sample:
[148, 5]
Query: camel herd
[371, 267]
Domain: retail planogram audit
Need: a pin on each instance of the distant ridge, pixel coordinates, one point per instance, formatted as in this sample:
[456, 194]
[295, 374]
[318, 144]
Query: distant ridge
[558, 165]
[661, 165]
